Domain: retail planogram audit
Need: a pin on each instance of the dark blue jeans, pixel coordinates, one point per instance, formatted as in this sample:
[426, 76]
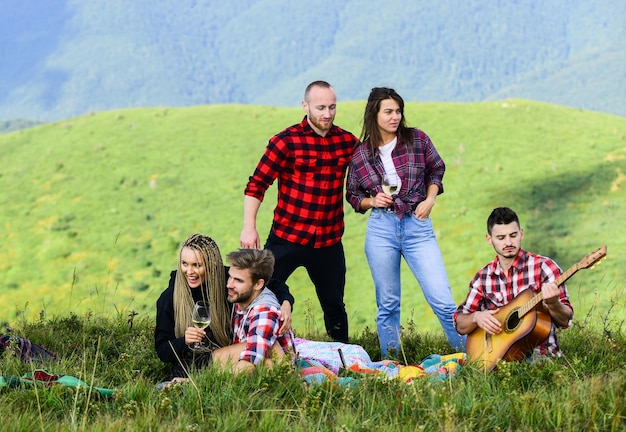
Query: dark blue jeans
[326, 267]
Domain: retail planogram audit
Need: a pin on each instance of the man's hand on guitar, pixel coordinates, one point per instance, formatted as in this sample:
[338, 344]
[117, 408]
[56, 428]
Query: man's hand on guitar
[486, 321]
[560, 314]
[550, 294]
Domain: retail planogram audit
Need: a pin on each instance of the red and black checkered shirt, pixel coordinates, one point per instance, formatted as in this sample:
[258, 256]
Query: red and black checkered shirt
[311, 172]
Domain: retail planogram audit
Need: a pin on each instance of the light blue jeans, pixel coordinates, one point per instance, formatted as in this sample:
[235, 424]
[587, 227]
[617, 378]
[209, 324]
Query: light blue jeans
[387, 239]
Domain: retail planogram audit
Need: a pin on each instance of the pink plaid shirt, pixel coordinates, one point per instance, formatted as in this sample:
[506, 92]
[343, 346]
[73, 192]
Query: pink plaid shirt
[418, 164]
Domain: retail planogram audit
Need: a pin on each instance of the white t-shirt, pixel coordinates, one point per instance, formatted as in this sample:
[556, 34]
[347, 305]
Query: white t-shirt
[385, 156]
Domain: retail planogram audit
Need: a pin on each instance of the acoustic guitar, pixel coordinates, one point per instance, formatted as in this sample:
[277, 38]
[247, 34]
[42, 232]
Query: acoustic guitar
[524, 325]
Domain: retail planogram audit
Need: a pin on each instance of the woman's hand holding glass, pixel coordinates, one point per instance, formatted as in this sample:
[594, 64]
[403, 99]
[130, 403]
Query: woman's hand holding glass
[381, 200]
[201, 319]
[390, 185]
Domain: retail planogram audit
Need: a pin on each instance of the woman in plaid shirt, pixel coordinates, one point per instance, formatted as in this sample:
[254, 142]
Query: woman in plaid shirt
[399, 224]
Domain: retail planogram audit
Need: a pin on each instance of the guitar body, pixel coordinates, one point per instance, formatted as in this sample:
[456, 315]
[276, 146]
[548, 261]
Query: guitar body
[521, 333]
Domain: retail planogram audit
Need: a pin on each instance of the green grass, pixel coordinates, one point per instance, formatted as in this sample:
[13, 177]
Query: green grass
[584, 390]
[94, 208]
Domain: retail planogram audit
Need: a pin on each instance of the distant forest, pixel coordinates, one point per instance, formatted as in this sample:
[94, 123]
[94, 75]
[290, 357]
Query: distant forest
[61, 59]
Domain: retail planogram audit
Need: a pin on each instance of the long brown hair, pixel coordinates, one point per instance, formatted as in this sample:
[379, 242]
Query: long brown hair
[370, 134]
[213, 290]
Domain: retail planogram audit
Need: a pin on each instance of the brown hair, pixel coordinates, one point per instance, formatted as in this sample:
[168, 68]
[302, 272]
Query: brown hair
[260, 262]
[370, 133]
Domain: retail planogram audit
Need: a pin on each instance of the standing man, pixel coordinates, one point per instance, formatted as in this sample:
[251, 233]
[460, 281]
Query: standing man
[309, 160]
[512, 271]
[256, 312]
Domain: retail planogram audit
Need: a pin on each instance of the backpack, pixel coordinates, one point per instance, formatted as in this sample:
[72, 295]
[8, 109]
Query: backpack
[25, 350]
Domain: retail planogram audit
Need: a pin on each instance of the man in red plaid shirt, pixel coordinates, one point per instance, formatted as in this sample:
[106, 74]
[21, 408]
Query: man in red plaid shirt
[309, 160]
[511, 272]
[255, 316]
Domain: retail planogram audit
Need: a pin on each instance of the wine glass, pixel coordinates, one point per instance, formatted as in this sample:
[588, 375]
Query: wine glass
[391, 182]
[201, 317]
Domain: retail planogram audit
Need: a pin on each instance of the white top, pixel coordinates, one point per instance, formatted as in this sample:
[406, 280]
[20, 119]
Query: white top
[385, 156]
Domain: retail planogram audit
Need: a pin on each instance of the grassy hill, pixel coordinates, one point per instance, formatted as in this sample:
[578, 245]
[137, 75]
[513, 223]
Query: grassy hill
[94, 208]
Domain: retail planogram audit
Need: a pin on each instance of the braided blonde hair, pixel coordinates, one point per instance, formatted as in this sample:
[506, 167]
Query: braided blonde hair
[213, 290]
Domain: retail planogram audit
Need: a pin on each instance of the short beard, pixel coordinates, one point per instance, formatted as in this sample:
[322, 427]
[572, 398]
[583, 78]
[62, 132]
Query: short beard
[509, 255]
[241, 298]
[319, 126]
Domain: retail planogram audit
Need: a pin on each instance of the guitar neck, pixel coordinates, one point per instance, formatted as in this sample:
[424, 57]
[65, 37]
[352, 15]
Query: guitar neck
[539, 297]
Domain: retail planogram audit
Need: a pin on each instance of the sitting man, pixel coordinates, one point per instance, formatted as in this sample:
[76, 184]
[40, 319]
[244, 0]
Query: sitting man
[512, 271]
[255, 315]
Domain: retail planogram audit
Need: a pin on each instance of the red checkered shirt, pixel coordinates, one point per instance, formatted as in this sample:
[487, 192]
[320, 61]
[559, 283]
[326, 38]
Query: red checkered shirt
[311, 172]
[258, 327]
[491, 289]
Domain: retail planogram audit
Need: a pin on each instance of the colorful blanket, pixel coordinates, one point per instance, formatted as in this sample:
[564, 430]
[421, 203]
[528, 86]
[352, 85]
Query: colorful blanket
[347, 364]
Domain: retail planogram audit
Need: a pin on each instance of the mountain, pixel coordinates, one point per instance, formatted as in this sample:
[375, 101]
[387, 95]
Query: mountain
[61, 58]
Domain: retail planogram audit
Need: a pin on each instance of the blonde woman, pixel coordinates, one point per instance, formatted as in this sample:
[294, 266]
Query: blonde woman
[200, 276]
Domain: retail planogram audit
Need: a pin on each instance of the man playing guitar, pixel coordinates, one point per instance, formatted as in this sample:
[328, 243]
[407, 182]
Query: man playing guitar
[513, 271]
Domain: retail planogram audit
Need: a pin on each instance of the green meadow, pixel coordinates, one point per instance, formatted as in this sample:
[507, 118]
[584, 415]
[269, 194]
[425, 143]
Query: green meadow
[94, 208]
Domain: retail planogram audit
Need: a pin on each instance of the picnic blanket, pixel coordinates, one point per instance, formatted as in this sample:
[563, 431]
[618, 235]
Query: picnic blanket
[347, 364]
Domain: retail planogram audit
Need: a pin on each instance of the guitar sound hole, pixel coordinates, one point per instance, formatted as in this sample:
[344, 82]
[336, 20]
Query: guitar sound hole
[512, 322]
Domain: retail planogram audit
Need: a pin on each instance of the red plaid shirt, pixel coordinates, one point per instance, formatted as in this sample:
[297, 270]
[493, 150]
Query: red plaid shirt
[491, 289]
[311, 171]
[258, 327]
